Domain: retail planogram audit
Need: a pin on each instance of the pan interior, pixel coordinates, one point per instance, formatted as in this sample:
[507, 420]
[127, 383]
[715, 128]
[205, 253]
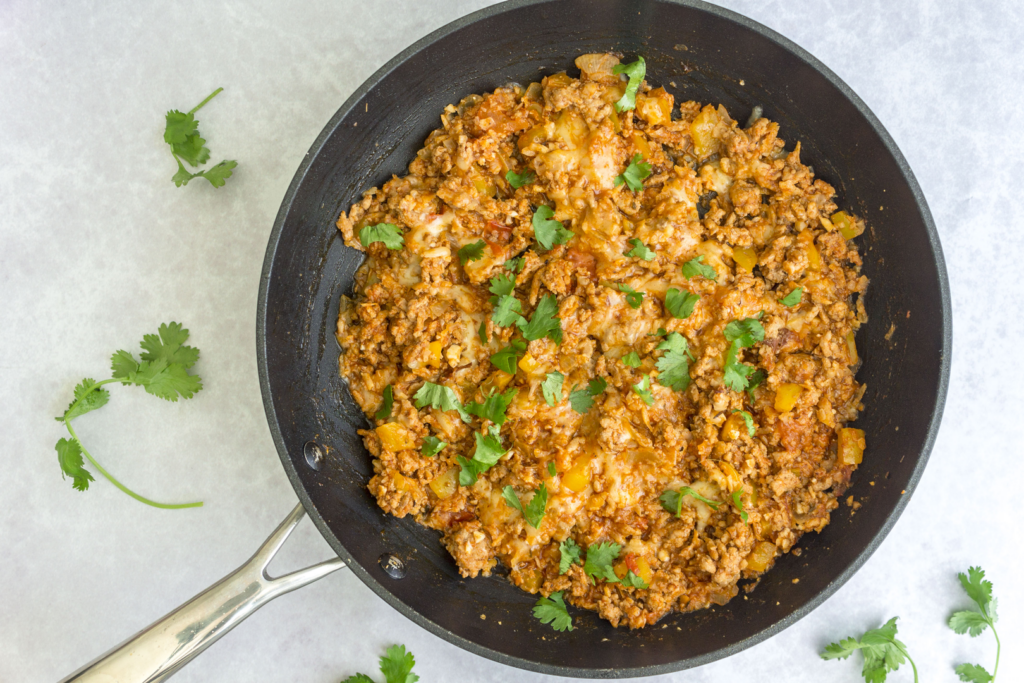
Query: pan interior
[696, 52]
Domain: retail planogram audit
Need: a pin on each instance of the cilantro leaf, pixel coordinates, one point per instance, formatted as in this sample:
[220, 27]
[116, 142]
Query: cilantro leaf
[179, 127]
[696, 266]
[749, 420]
[488, 452]
[218, 174]
[509, 311]
[599, 562]
[471, 252]
[634, 176]
[674, 365]
[631, 360]
[680, 303]
[494, 406]
[358, 678]
[747, 331]
[515, 264]
[639, 250]
[570, 555]
[506, 359]
[545, 321]
[736, 501]
[793, 298]
[517, 180]
[396, 665]
[86, 400]
[168, 345]
[968, 621]
[385, 407]
[549, 232]
[551, 469]
[69, 456]
[552, 388]
[388, 233]
[972, 673]
[482, 332]
[643, 390]
[596, 386]
[581, 399]
[553, 611]
[754, 381]
[501, 285]
[636, 72]
[533, 511]
[432, 446]
[440, 397]
[672, 501]
[977, 588]
[634, 581]
[882, 652]
[634, 298]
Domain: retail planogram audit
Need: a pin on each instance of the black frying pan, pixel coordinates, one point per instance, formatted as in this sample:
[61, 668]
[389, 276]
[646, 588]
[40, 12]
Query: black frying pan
[696, 51]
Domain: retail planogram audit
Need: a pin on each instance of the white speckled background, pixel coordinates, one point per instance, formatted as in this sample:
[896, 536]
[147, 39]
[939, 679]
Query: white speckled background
[97, 247]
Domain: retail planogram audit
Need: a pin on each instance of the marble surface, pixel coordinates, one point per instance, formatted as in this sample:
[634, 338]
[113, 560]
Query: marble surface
[97, 247]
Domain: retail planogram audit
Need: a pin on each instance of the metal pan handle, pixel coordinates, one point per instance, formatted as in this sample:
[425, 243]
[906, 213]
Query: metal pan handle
[158, 651]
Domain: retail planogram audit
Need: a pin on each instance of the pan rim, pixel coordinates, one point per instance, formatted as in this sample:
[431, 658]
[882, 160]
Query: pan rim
[576, 672]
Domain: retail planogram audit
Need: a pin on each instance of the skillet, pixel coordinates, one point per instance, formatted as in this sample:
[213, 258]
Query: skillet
[696, 51]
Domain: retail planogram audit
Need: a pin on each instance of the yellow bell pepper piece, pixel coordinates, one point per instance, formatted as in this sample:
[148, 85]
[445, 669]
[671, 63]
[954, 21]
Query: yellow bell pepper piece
[434, 357]
[733, 428]
[702, 131]
[445, 484]
[640, 142]
[578, 477]
[655, 107]
[761, 557]
[403, 483]
[851, 446]
[786, 396]
[636, 564]
[530, 365]
[745, 258]
[851, 347]
[806, 240]
[847, 226]
[395, 437]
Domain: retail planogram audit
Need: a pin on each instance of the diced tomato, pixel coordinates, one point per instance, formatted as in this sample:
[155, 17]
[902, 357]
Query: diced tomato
[497, 236]
[584, 261]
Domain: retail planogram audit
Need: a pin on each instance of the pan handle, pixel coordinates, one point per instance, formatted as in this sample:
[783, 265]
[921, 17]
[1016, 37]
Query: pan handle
[158, 651]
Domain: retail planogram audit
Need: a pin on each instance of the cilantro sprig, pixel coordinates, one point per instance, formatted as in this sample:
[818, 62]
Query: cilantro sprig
[545, 321]
[680, 303]
[569, 555]
[474, 251]
[632, 360]
[494, 406]
[742, 334]
[882, 652]
[636, 72]
[506, 359]
[634, 298]
[181, 132]
[696, 266]
[793, 298]
[599, 562]
[974, 623]
[672, 500]
[388, 233]
[639, 250]
[533, 512]
[396, 665]
[748, 420]
[487, 454]
[634, 174]
[384, 412]
[432, 446]
[674, 365]
[162, 372]
[552, 388]
[440, 397]
[517, 180]
[643, 390]
[552, 610]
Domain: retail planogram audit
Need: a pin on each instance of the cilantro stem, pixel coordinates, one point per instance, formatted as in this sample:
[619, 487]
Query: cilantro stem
[909, 659]
[203, 103]
[108, 475]
[995, 669]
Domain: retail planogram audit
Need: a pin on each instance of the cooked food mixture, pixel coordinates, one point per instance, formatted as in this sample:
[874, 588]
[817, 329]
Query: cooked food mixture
[607, 342]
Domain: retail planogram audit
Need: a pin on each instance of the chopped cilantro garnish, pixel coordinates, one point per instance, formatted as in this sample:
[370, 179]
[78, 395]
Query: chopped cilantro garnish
[749, 420]
[696, 266]
[643, 390]
[545, 321]
[482, 332]
[882, 652]
[440, 397]
[501, 285]
[739, 506]
[471, 252]
[634, 174]
[553, 611]
[793, 298]
[385, 408]
[743, 334]
[506, 359]
[639, 250]
[552, 388]
[570, 555]
[549, 232]
[517, 180]
[551, 469]
[755, 381]
[674, 365]
[599, 562]
[634, 581]
[672, 501]
[636, 72]
[582, 399]
[634, 298]
[680, 303]
[388, 233]
[494, 406]
[509, 311]
[515, 264]
[396, 665]
[631, 360]
[747, 331]
[533, 511]
[432, 446]
[488, 452]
